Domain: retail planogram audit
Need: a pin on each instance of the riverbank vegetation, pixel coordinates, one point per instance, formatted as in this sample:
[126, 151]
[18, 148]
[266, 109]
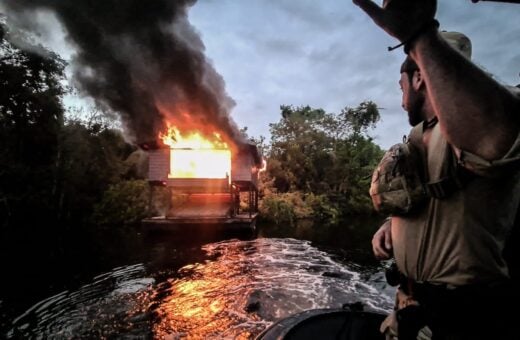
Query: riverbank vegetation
[319, 164]
[61, 167]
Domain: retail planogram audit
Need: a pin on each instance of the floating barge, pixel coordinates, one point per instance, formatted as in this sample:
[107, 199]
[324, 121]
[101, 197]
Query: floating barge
[229, 202]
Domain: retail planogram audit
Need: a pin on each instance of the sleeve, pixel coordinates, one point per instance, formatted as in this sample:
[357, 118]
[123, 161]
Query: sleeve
[509, 162]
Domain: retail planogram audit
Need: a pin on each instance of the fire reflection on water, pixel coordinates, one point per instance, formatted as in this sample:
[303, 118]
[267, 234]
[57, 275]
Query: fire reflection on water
[210, 301]
[235, 291]
[250, 284]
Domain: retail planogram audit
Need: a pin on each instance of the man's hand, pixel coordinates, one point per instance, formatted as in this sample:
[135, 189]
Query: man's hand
[382, 241]
[400, 18]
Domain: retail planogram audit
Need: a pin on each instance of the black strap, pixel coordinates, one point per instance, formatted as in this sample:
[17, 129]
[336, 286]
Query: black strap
[428, 124]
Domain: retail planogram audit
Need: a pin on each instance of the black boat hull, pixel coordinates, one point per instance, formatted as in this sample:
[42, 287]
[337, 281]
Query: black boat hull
[327, 324]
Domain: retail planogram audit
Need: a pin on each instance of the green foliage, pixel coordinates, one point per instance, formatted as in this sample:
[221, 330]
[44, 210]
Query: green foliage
[322, 208]
[291, 206]
[123, 203]
[278, 209]
[360, 119]
[327, 155]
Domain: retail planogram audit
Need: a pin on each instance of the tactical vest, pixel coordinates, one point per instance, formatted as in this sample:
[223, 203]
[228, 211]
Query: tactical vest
[400, 183]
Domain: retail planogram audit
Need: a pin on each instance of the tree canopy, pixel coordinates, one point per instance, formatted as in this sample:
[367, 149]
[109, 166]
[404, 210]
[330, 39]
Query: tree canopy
[325, 154]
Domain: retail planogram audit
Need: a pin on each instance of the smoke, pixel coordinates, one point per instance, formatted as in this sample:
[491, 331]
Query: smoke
[141, 59]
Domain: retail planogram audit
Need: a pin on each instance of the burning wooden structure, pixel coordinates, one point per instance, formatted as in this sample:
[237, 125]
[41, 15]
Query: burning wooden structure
[206, 182]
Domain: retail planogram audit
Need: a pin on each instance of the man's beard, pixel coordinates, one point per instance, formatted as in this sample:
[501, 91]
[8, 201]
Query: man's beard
[414, 117]
[415, 111]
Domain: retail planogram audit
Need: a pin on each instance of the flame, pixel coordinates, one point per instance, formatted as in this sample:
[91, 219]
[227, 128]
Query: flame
[258, 170]
[264, 166]
[194, 155]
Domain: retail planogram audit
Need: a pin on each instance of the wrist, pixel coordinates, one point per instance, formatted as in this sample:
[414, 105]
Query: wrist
[426, 38]
[425, 29]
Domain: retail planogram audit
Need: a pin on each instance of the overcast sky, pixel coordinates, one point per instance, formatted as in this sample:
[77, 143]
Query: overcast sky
[328, 54]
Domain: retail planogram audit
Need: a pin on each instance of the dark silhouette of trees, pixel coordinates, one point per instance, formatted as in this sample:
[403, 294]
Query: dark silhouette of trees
[53, 170]
[31, 116]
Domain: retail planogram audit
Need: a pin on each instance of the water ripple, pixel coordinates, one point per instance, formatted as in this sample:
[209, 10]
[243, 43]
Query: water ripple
[250, 284]
[111, 304]
[236, 291]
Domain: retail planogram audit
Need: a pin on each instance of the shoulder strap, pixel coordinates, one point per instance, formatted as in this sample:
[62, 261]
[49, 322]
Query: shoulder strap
[415, 138]
[455, 180]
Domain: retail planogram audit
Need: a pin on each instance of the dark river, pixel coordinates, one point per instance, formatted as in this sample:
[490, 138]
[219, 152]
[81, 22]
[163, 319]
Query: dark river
[201, 284]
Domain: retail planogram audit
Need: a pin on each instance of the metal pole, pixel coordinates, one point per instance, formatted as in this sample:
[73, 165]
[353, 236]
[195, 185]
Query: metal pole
[256, 200]
[170, 203]
[250, 200]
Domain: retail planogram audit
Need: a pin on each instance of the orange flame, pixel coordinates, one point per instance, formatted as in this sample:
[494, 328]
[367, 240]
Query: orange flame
[196, 156]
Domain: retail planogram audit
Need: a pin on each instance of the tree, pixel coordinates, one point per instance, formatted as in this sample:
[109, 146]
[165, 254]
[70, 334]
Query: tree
[92, 157]
[300, 149]
[52, 170]
[31, 115]
[357, 121]
[326, 154]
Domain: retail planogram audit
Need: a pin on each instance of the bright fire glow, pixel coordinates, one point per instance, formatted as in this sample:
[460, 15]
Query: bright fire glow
[195, 156]
[264, 166]
[256, 169]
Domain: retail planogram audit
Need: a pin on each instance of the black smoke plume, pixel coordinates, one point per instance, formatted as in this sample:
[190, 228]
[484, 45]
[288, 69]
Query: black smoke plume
[141, 59]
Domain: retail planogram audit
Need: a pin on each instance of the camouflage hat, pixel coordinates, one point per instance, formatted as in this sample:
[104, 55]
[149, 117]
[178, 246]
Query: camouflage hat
[458, 41]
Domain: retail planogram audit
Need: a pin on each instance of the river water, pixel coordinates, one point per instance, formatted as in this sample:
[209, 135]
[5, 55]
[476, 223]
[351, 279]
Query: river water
[202, 284]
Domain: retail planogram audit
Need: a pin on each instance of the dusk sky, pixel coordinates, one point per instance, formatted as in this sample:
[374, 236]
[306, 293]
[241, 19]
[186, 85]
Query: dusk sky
[326, 54]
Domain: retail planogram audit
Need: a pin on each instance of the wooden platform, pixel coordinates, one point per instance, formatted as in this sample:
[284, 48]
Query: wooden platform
[174, 223]
[208, 210]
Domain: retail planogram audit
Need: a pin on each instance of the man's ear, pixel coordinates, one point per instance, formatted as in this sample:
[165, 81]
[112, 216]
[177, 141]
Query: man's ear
[417, 80]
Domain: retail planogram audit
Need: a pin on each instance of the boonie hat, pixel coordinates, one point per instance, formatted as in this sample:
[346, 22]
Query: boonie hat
[458, 41]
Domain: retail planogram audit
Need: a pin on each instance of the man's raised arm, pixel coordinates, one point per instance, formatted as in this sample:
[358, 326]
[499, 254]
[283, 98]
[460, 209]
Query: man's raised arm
[475, 112]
